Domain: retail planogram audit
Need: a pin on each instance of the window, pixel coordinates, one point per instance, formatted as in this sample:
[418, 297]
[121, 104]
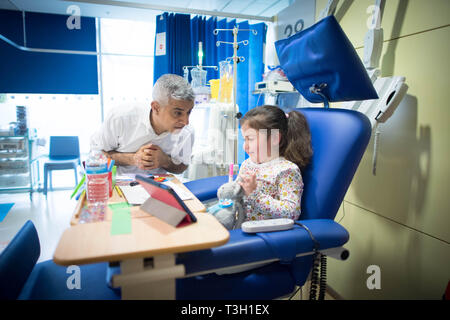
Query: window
[127, 78]
[56, 115]
[128, 73]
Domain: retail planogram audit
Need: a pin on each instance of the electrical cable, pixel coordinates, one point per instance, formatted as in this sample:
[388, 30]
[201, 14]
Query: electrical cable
[319, 262]
[375, 148]
[316, 243]
[323, 276]
[292, 295]
[314, 276]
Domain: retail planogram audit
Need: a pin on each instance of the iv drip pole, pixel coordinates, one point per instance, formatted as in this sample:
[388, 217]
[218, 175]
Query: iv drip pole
[235, 59]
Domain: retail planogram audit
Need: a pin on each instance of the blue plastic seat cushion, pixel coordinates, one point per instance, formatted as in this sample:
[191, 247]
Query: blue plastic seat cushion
[54, 164]
[48, 281]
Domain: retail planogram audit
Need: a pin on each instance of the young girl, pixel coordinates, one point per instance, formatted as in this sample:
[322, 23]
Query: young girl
[279, 146]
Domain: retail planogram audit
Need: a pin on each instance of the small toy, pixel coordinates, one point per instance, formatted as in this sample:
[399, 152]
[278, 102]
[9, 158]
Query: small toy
[229, 210]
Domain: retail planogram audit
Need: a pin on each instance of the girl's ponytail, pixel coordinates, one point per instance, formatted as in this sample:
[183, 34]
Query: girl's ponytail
[298, 143]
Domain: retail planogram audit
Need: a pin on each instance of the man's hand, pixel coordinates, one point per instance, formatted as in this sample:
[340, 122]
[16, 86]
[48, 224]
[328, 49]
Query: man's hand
[150, 157]
[248, 183]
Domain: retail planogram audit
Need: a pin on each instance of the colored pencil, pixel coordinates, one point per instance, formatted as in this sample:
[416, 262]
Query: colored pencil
[119, 191]
[78, 186]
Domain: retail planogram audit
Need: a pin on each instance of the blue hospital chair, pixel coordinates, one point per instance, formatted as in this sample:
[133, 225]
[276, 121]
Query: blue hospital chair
[64, 154]
[323, 66]
[339, 140]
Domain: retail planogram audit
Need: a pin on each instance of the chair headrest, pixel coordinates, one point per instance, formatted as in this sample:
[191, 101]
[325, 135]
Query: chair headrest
[323, 55]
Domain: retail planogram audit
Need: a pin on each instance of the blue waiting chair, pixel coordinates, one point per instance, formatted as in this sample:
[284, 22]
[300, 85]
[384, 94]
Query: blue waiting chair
[22, 278]
[339, 140]
[64, 154]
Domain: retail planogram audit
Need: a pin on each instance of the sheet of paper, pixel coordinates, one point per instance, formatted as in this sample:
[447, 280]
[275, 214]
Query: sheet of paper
[183, 194]
[160, 44]
[135, 195]
[129, 177]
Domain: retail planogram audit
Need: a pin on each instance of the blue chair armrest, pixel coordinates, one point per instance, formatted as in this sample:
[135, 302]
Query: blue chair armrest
[206, 188]
[243, 248]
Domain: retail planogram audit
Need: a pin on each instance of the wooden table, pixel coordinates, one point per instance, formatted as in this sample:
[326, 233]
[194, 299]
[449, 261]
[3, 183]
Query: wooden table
[150, 238]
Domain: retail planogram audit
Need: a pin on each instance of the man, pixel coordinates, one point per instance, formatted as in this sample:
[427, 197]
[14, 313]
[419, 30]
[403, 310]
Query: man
[151, 140]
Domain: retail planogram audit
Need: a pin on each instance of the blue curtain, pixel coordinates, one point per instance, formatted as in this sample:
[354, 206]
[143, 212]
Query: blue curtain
[184, 52]
[176, 29]
[201, 31]
[182, 36]
[38, 72]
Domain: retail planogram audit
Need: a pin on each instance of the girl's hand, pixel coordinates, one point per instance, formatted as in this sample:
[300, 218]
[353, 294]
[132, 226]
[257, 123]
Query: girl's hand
[248, 183]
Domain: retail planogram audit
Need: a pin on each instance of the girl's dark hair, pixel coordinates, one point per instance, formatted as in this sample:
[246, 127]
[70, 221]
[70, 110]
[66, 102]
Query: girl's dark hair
[295, 142]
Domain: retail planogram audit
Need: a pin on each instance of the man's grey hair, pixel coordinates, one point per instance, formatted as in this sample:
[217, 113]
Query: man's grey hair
[172, 86]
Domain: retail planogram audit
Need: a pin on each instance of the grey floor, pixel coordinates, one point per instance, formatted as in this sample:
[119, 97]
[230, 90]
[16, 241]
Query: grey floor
[51, 215]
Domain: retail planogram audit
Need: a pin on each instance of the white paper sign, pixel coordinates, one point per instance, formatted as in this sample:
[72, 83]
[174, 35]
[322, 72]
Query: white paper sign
[160, 49]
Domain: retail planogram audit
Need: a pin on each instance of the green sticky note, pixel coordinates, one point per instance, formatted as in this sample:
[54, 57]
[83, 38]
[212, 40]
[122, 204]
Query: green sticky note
[121, 219]
[119, 206]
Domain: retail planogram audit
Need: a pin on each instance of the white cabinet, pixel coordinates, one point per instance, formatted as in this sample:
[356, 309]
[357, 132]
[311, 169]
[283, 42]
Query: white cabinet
[15, 164]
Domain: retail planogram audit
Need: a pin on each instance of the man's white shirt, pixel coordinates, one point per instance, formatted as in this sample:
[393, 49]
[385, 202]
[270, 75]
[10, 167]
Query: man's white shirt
[128, 129]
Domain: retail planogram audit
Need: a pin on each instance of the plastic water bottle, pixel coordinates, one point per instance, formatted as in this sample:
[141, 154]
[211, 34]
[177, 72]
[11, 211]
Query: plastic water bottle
[97, 184]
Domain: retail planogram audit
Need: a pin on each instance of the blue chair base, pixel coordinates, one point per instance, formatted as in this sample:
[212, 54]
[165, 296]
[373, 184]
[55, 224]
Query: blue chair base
[267, 282]
[270, 281]
[264, 283]
[49, 281]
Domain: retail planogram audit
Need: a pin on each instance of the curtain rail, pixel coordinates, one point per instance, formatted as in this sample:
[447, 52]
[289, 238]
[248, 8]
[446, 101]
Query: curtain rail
[173, 9]
[93, 53]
